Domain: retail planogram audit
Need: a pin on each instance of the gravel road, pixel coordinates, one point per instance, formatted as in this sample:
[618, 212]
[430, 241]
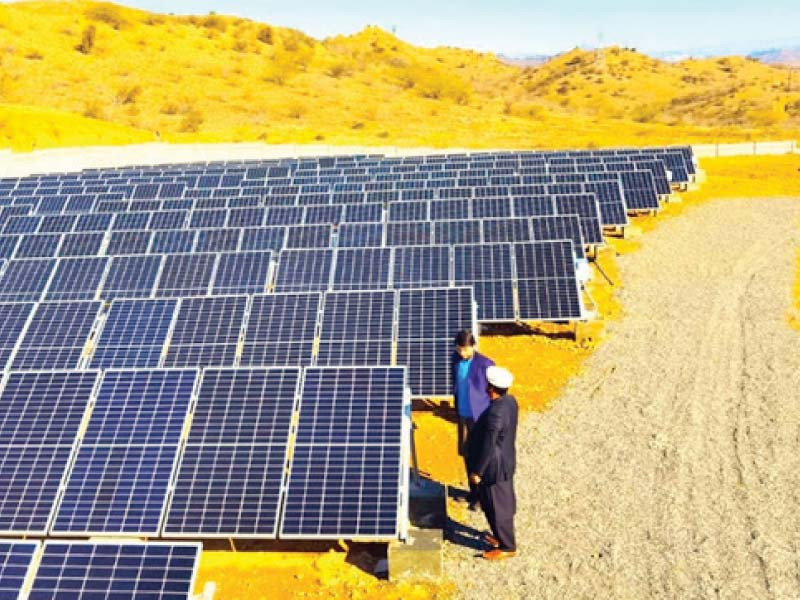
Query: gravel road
[670, 468]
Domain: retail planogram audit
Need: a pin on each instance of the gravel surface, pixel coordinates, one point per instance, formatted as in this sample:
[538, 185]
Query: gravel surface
[670, 468]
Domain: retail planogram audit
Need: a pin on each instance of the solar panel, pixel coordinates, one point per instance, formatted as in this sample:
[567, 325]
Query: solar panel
[80, 244]
[14, 317]
[130, 221]
[134, 334]
[8, 244]
[284, 215]
[38, 246]
[415, 210]
[246, 217]
[533, 206]
[421, 266]
[77, 279]
[122, 472]
[547, 284]
[40, 417]
[491, 208]
[131, 277]
[363, 213]
[560, 227]
[173, 241]
[324, 214]
[57, 336]
[450, 210]
[242, 273]
[94, 222]
[206, 332]
[360, 235]
[428, 321]
[640, 190]
[94, 570]
[217, 240]
[457, 232]
[16, 560]
[208, 218]
[409, 234]
[506, 230]
[487, 268]
[610, 198]
[309, 236]
[304, 270]
[263, 238]
[128, 242]
[57, 223]
[186, 275]
[362, 268]
[357, 328]
[588, 210]
[281, 330]
[231, 474]
[348, 462]
[22, 224]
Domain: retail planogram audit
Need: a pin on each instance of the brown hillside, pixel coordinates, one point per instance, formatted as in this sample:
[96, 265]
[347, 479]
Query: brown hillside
[218, 78]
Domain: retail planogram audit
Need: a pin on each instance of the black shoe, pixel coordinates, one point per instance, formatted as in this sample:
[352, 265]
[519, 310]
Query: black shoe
[474, 505]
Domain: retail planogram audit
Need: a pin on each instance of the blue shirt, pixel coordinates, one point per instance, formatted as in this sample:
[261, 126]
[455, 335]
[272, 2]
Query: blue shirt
[462, 395]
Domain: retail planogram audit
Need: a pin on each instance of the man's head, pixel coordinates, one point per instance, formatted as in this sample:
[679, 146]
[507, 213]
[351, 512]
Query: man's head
[465, 344]
[498, 380]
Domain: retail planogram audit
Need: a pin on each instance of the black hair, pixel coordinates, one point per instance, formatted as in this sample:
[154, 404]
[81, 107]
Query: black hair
[500, 391]
[465, 338]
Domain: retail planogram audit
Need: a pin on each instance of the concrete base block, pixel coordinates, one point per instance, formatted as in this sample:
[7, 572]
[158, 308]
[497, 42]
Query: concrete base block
[418, 559]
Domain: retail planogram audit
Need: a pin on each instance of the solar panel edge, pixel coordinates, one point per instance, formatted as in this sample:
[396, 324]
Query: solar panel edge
[34, 549]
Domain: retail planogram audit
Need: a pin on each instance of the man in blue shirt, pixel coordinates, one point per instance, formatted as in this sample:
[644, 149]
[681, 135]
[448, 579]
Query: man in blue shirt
[469, 388]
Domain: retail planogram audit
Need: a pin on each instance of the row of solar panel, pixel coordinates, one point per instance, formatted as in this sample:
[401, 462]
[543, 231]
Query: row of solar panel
[347, 235]
[131, 469]
[56, 570]
[289, 194]
[415, 327]
[231, 175]
[512, 281]
[585, 205]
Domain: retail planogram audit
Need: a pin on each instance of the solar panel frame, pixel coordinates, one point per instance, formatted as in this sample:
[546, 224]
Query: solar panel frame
[422, 266]
[16, 566]
[315, 267]
[132, 277]
[107, 569]
[186, 275]
[38, 245]
[360, 235]
[546, 271]
[15, 317]
[488, 269]
[362, 269]
[243, 273]
[173, 241]
[128, 242]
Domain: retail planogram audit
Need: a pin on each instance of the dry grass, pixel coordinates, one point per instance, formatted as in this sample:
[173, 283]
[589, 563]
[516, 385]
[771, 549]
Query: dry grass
[237, 79]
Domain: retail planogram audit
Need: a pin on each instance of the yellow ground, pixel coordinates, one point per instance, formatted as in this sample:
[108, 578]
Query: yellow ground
[220, 78]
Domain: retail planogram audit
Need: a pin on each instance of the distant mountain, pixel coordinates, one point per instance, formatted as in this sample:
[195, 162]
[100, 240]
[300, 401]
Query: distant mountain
[778, 56]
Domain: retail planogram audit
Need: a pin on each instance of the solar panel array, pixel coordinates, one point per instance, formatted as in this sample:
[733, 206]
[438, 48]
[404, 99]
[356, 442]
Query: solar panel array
[229, 349]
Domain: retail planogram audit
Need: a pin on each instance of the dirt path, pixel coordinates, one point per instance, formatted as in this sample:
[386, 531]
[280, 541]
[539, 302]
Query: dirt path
[671, 467]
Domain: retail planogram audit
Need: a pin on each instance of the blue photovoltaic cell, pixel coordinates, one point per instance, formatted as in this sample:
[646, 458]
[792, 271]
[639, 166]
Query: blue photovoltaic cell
[559, 227]
[208, 218]
[230, 476]
[56, 336]
[13, 317]
[421, 266]
[246, 217]
[168, 219]
[415, 210]
[76, 279]
[457, 232]
[121, 476]
[587, 209]
[38, 246]
[108, 570]
[128, 242]
[547, 286]
[347, 463]
[309, 236]
[57, 224]
[304, 270]
[8, 244]
[16, 559]
[506, 230]
[409, 234]
[242, 273]
[279, 216]
[40, 416]
[362, 269]
[130, 221]
[134, 334]
[217, 240]
[81, 244]
[363, 213]
[450, 210]
[281, 330]
[206, 332]
[357, 328]
[533, 206]
[94, 222]
[325, 214]
[173, 241]
[487, 269]
[131, 277]
[186, 275]
[263, 238]
[360, 235]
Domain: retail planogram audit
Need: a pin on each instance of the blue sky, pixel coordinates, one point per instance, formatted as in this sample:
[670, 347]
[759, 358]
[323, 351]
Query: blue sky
[529, 27]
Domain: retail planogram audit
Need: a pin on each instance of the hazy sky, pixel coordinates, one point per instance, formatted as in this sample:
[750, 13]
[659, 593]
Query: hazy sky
[529, 27]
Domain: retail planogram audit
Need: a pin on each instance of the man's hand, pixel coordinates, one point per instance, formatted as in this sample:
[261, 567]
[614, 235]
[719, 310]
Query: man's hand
[475, 478]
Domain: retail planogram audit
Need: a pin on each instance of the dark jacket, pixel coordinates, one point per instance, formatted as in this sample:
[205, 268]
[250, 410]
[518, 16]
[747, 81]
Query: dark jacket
[491, 449]
[476, 378]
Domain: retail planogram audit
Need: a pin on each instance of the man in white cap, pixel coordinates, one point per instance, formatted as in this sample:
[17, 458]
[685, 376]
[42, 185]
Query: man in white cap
[492, 462]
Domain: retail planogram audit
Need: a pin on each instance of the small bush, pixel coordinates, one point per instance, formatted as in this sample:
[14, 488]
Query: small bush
[170, 108]
[192, 121]
[128, 94]
[265, 36]
[35, 55]
[87, 40]
[297, 110]
[93, 110]
[215, 23]
[110, 15]
[338, 70]
[240, 46]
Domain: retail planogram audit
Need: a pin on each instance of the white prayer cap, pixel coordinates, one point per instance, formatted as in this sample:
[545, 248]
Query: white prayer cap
[499, 377]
